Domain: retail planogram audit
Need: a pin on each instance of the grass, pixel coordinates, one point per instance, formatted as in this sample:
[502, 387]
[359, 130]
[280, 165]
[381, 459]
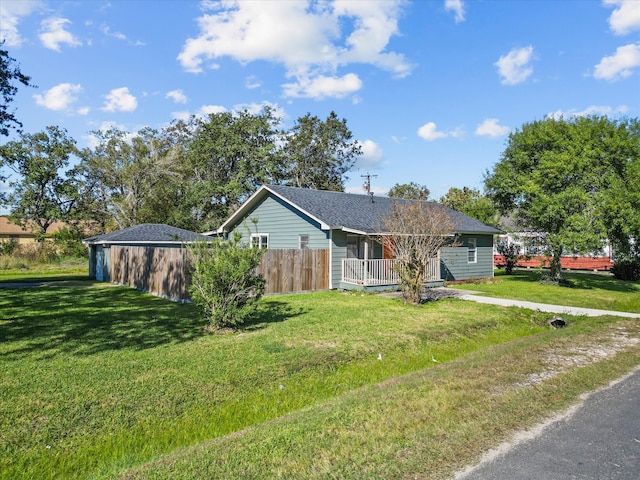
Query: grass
[105, 381]
[12, 269]
[589, 291]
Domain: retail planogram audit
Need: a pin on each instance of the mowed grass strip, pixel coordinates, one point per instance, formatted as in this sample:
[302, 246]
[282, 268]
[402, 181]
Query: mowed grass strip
[100, 379]
[590, 290]
[426, 424]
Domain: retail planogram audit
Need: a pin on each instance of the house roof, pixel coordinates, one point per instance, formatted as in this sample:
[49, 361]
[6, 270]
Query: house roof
[8, 228]
[148, 233]
[344, 211]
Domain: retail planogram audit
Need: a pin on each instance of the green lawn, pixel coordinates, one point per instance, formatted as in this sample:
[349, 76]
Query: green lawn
[98, 380]
[590, 290]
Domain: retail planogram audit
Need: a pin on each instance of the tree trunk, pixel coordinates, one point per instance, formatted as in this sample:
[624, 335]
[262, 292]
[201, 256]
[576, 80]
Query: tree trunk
[556, 265]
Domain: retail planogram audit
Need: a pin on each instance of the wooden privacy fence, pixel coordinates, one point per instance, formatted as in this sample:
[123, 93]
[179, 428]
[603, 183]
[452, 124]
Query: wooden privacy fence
[289, 270]
[164, 271]
[158, 270]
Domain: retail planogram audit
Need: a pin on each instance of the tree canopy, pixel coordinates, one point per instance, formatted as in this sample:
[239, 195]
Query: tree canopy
[575, 180]
[472, 203]
[409, 191]
[194, 173]
[10, 74]
[44, 193]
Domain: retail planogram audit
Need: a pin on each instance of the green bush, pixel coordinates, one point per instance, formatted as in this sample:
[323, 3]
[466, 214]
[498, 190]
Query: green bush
[510, 253]
[68, 242]
[627, 269]
[224, 282]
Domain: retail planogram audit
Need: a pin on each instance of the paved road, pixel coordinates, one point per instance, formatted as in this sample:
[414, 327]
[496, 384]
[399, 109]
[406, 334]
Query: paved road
[598, 440]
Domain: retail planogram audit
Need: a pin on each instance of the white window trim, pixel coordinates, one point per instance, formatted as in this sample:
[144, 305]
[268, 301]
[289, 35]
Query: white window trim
[306, 244]
[259, 236]
[473, 249]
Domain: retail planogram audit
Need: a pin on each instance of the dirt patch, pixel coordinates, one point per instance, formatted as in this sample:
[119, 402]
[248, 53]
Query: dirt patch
[558, 361]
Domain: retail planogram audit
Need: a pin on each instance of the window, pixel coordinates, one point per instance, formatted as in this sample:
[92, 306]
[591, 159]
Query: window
[472, 251]
[303, 241]
[260, 240]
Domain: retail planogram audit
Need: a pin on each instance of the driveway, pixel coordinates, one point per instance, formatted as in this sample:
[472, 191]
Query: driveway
[599, 439]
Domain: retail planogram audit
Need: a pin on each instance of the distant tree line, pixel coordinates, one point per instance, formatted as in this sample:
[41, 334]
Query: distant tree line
[191, 174]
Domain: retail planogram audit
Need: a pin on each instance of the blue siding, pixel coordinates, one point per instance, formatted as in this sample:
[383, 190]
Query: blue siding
[283, 224]
[338, 252]
[454, 260]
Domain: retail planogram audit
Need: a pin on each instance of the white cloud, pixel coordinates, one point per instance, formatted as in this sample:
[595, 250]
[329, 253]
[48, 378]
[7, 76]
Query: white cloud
[183, 115]
[120, 100]
[83, 111]
[59, 97]
[590, 110]
[457, 7]
[371, 157]
[107, 31]
[619, 65]
[177, 96]
[514, 67]
[626, 17]
[118, 35]
[53, 33]
[251, 82]
[429, 132]
[10, 15]
[491, 128]
[323, 87]
[306, 38]
[209, 109]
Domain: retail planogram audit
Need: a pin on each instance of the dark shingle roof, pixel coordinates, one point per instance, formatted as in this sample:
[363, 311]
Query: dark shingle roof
[148, 233]
[357, 212]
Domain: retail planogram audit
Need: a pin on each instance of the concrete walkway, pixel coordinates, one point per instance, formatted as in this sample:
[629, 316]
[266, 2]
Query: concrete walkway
[543, 307]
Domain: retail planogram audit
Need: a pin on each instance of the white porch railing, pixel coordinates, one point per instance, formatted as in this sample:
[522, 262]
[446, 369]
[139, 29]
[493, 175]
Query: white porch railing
[381, 272]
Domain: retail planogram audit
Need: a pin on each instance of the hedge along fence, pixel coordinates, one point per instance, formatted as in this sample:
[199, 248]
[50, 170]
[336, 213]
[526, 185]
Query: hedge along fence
[164, 271]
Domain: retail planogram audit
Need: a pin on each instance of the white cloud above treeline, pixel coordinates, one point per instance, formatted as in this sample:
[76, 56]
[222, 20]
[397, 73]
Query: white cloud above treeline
[53, 33]
[619, 65]
[120, 100]
[372, 156]
[429, 131]
[59, 97]
[308, 39]
[515, 67]
[177, 96]
[491, 128]
[10, 15]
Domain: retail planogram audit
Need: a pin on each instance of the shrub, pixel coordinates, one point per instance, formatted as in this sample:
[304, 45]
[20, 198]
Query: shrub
[510, 253]
[627, 269]
[224, 282]
[68, 242]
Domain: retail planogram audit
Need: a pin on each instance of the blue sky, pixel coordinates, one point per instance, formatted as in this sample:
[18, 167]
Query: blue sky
[430, 88]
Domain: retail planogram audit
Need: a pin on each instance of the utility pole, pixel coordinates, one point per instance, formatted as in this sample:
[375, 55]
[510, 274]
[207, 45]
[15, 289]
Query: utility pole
[367, 184]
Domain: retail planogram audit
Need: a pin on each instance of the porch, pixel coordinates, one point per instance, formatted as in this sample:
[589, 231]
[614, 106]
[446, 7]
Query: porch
[382, 272]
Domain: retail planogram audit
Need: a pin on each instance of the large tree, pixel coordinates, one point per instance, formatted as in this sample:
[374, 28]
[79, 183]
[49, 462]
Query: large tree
[319, 153]
[224, 158]
[10, 75]
[472, 203]
[565, 177]
[409, 191]
[43, 192]
[125, 174]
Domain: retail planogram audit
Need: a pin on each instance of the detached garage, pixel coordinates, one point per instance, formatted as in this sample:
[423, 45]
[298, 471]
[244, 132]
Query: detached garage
[150, 257]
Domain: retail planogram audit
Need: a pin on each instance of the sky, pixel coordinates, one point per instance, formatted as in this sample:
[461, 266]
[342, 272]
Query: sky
[431, 89]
